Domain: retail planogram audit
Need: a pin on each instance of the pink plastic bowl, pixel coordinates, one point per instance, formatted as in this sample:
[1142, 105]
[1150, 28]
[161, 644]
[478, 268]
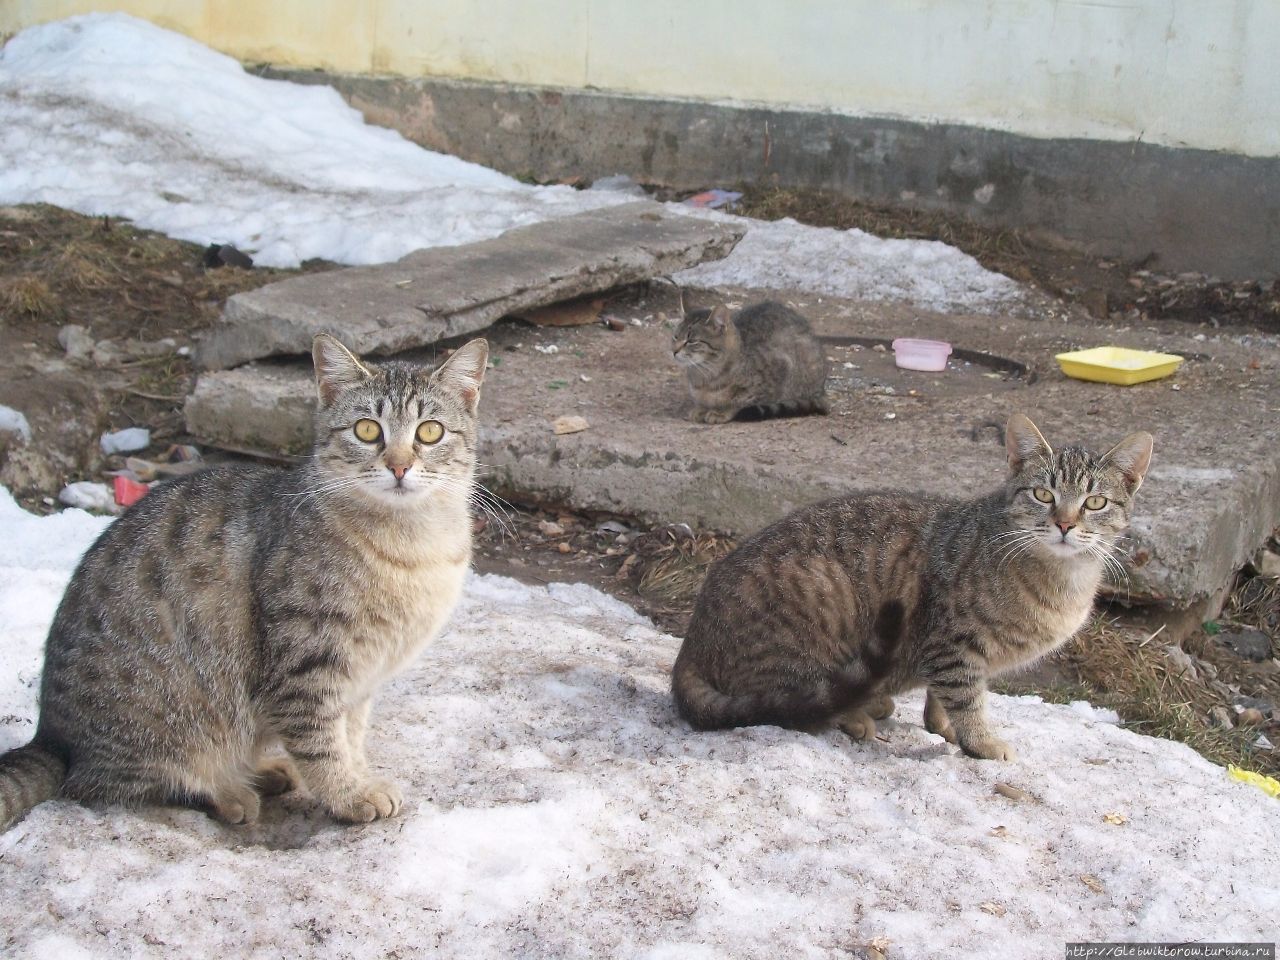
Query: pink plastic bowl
[921, 354]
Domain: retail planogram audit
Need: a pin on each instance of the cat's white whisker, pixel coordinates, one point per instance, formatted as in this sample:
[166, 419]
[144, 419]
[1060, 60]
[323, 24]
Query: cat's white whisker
[487, 502]
[333, 485]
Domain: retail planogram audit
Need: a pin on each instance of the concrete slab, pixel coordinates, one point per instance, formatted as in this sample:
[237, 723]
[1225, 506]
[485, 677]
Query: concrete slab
[1210, 500]
[444, 292]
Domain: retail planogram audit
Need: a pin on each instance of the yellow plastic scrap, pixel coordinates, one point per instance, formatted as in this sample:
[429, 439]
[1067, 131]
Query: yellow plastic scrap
[1268, 785]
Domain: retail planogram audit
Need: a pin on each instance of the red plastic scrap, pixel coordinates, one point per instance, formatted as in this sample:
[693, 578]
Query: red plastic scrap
[128, 492]
[714, 199]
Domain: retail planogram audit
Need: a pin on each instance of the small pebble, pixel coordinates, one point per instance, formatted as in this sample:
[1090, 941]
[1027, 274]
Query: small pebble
[1221, 718]
[569, 424]
[1250, 717]
[129, 440]
[1013, 793]
[88, 495]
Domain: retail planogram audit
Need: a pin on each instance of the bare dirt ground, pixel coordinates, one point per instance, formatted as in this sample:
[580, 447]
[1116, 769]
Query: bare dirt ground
[142, 298]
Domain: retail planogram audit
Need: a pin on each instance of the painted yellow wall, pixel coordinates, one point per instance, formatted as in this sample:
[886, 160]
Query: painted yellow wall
[1199, 73]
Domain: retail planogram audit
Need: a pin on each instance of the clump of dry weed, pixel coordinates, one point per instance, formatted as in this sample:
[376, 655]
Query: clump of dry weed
[671, 562]
[1157, 694]
[29, 296]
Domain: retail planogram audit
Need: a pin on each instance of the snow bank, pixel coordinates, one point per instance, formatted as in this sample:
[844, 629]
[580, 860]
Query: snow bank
[107, 114]
[14, 422]
[37, 559]
[784, 254]
[557, 807]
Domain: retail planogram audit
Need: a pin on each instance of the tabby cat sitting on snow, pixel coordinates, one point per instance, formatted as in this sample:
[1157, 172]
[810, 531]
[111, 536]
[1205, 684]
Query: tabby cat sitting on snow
[237, 609]
[827, 613]
[765, 358]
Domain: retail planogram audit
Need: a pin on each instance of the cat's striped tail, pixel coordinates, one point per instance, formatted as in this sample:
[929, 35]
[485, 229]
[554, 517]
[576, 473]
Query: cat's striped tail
[795, 408]
[28, 775]
[707, 708]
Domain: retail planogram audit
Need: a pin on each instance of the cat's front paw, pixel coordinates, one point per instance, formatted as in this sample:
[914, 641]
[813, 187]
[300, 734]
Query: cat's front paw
[988, 748]
[238, 805]
[858, 725]
[375, 800]
[717, 416]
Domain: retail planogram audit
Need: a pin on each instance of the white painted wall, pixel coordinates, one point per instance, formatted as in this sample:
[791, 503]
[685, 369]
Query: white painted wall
[1196, 73]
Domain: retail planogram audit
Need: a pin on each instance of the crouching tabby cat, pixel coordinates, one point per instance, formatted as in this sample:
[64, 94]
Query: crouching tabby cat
[829, 612]
[763, 358]
[240, 609]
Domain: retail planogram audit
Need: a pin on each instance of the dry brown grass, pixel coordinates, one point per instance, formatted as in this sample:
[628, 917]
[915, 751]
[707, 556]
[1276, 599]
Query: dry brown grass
[83, 267]
[1131, 673]
[27, 295]
[671, 564]
[1255, 602]
[110, 276]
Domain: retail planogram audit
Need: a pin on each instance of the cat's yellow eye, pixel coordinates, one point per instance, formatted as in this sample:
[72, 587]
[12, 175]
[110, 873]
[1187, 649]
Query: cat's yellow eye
[430, 431]
[1095, 502]
[1043, 495]
[367, 430]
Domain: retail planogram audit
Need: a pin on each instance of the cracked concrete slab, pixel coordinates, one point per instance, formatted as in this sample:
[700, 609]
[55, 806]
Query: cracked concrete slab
[444, 292]
[1211, 498]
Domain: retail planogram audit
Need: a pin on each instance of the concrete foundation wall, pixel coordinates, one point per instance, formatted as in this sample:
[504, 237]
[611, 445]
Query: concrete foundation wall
[1193, 73]
[1180, 209]
[1145, 128]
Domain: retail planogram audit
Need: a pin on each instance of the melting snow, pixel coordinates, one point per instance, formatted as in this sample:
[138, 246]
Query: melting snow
[107, 114]
[557, 807]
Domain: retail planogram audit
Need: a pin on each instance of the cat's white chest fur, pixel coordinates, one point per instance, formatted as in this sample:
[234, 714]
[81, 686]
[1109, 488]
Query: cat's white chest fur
[1073, 595]
[411, 595]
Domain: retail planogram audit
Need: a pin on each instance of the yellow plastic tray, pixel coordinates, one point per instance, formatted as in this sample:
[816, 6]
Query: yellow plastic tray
[1118, 365]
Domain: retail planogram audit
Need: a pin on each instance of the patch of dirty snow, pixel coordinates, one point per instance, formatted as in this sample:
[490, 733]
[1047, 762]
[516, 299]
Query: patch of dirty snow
[108, 114]
[14, 422]
[786, 255]
[558, 807]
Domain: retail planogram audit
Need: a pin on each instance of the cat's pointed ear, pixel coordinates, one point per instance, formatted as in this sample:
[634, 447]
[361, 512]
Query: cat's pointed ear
[719, 318]
[463, 372]
[1131, 456]
[1023, 441]
[337, 368]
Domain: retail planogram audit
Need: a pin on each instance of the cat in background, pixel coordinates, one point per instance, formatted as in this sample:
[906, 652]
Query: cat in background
[764, 357]
[827, 613]
[238, 610]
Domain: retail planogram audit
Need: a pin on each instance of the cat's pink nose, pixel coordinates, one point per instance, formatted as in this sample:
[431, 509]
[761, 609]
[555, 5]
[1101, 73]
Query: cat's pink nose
[398, 471]
[1064, 526]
